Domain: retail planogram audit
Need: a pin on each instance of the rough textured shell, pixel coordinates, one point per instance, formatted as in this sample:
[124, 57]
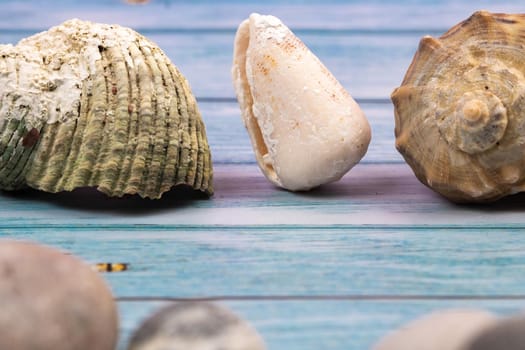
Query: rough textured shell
[87, 104]
[460, 111]
[305, 128]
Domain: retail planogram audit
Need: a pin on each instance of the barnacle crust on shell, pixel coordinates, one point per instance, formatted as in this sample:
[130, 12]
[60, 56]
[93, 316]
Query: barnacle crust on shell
[87, 104]
[460, 110]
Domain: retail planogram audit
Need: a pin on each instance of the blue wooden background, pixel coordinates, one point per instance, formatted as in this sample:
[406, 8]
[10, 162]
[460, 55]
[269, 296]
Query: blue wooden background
[335, 268]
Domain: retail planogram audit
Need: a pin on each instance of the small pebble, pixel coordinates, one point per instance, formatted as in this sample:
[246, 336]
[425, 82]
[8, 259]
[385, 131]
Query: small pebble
[195, 326]
[53, 301]
[507, 334]
[443, 330]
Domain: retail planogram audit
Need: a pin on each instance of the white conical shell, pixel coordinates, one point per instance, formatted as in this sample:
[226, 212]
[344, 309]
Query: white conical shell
[305, 128]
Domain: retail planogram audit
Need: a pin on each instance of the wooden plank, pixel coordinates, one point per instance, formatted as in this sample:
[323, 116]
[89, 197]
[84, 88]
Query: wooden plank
[334, 14]
[334, 325]
[298, 261]
[377, 232]
[371, 195]
[367, 65]
[367, 47]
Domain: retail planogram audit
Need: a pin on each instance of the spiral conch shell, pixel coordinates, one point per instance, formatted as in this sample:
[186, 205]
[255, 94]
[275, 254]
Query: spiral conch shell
[87, 104]
[306, 130]
[460, 111]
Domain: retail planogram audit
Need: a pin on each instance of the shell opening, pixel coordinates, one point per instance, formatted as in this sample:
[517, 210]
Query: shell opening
[251, 122]
[477, 124]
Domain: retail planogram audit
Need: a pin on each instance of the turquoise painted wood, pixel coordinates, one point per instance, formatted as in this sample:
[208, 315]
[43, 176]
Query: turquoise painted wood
[303, 261]
[335, 268]
[313, 325]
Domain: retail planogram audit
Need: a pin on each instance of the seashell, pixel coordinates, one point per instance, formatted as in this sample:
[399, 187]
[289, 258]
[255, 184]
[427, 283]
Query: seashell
[305, 129]
[88, 104]
[195, 326]
[50, 300]
[460, 110]
[447, 329]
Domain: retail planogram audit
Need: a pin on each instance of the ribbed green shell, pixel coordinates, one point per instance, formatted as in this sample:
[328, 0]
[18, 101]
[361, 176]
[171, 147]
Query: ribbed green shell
[139, 131]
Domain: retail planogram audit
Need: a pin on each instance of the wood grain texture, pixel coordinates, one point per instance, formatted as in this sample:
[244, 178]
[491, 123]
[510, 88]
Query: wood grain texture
[307, 325]
[335, 268]
[300, 261]
[377, 195]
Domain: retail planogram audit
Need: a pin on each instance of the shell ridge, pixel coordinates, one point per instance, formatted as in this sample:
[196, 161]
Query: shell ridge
[57, 156]
[487, 179]
[478, 19]
[7, 140]
[144, 107]
[149, 175]
[6, 134]
[416, 63]
[188, 137]
[123, 183]
[194, 142]
[207, 176]
[199, 154]
[86, 170]
[72, 177]
[12, 135]
[198, 147]
[108, 124]
[39, 166]
[171, 122]
[201, 168]
[19, 172]
[153, 173]
[163, 122]
[183, 137]
[3, 126]
[71, 157]
[13, 153]
[118, 135]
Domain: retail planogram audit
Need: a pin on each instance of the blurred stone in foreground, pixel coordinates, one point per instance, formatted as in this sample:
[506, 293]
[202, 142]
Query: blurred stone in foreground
[443, 330]
[195, 326]
[507, 334]
[52, 301]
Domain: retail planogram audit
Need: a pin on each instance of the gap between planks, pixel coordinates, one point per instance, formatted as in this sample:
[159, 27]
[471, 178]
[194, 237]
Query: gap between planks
[354, 297]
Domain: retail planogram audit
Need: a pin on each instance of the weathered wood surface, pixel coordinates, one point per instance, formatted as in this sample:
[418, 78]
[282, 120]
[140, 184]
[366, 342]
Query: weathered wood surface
[335, 268]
